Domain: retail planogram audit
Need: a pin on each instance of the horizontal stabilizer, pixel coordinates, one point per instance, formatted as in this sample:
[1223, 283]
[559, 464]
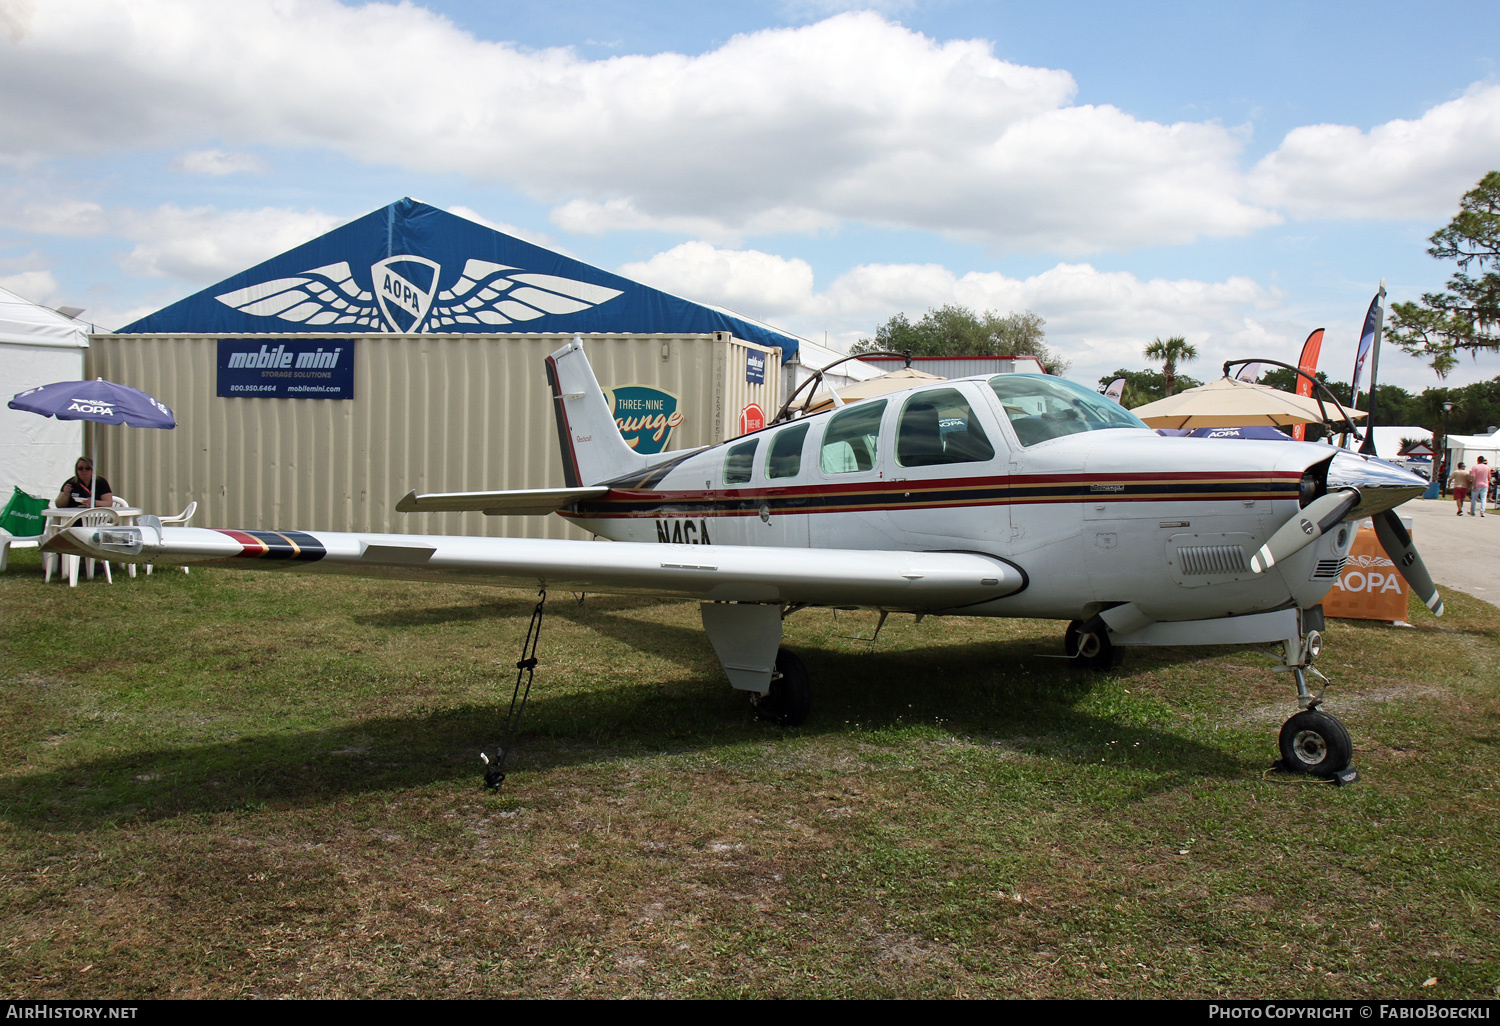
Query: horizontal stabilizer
[517, 501]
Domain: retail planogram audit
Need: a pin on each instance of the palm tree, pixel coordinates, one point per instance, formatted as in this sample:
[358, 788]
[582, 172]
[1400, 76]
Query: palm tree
[1169, 352]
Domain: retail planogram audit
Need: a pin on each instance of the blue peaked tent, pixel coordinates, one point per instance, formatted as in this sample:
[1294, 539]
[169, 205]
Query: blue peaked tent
[410, 267]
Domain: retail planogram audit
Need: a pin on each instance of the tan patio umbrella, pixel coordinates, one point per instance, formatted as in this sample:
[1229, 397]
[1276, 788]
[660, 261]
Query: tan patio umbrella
[1229, 402]
[895, 381]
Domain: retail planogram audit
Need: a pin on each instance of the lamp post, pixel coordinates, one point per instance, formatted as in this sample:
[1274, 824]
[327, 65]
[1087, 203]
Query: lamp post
[1443, 488]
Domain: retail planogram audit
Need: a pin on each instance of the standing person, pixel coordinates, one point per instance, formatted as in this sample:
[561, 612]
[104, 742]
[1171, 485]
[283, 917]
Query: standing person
[77, 489]
[1480, 494]
[1461, 482]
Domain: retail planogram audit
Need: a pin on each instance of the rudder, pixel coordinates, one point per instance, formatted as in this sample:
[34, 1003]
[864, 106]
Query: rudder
[592, 448]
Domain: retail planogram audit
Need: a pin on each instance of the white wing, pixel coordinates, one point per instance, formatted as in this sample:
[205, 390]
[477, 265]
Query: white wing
[878, 579]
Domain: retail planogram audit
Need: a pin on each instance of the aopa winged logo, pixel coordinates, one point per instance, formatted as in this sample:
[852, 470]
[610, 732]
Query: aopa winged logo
[403, 296]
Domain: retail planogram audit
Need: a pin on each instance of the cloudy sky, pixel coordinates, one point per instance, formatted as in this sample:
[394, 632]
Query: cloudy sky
[1238, 173]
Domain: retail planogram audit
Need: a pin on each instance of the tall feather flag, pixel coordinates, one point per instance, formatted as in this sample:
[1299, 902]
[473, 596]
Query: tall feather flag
[1116, 389]
[1308, 364]
[1366, 340]
[1369, 343]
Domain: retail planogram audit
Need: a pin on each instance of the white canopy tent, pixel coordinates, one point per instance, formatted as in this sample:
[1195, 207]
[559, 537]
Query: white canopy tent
[1467, 448]
[37, 346]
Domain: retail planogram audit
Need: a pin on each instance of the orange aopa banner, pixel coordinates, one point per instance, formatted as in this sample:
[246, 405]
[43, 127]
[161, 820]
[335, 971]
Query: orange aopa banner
[1369, 588]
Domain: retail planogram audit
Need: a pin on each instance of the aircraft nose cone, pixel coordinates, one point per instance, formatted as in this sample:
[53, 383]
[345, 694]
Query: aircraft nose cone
[1381, 485]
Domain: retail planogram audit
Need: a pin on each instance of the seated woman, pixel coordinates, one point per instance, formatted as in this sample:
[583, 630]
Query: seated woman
[77, 489]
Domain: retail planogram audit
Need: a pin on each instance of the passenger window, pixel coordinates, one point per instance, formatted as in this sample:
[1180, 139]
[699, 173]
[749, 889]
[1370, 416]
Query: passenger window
[939, 427]
[739, 462]
[850, 443]
[785, 457]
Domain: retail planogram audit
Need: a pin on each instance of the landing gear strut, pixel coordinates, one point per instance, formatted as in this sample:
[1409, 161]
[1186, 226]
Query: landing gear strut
[1312, 741]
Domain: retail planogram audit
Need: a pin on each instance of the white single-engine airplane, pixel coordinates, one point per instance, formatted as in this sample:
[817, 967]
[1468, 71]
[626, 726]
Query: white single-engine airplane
[1018, 495]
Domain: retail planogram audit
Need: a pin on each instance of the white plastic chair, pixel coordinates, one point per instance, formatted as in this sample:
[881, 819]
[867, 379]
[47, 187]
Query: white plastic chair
[180, 520]
[87, 518]
[9, 541]
[120, 503]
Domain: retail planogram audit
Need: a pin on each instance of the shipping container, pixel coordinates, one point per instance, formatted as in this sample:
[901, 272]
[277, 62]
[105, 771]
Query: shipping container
[430, 412]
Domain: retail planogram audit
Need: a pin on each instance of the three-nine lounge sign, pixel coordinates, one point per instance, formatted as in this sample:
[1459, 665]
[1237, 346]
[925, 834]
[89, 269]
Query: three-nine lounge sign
[320, 368]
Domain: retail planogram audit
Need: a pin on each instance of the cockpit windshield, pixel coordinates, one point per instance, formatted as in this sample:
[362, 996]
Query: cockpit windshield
[1041, 407]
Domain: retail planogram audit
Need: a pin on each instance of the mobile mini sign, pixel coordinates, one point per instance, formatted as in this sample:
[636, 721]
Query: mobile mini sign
[321, 368]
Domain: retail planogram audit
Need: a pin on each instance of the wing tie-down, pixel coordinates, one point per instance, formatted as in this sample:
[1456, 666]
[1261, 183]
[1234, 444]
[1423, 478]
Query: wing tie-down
[494, 773]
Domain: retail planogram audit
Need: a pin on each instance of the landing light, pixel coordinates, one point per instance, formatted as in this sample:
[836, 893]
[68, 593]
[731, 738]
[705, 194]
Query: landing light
[119, 539]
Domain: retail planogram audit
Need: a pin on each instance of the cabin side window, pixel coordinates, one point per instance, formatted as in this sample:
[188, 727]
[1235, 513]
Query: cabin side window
[938, 427]
[785, 456]
[851, 443]
[739, 462]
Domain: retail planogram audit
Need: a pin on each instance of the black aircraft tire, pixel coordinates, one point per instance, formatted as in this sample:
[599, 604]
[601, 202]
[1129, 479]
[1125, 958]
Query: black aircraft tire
[1107, 657]
[790, 698]
[1315, 743]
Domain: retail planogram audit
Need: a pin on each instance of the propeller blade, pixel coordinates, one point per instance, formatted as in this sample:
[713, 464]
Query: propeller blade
[1398, 545]
[1304, 528]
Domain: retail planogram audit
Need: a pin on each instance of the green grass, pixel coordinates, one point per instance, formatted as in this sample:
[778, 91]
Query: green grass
[228, 784]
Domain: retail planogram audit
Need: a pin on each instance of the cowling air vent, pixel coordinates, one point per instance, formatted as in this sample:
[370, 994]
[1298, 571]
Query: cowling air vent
[1210, 558]
[1329, 569]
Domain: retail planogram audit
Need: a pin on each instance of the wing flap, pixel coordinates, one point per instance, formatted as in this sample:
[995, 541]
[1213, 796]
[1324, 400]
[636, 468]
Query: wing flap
[870, 578]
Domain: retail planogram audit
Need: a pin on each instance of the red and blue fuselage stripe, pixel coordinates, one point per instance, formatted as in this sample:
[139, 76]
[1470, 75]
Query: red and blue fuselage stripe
[905, 495]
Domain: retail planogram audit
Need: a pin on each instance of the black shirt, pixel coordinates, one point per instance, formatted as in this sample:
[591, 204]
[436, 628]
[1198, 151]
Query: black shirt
[79, 493]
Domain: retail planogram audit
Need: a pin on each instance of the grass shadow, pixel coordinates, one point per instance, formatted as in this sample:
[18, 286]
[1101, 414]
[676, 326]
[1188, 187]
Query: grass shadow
[994, 695]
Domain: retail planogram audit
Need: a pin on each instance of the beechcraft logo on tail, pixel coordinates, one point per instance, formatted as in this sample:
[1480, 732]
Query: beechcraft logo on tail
[409, 294]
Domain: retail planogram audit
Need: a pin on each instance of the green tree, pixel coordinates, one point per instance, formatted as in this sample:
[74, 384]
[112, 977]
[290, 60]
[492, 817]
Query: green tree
[1174, 350]
[1144, 386]
[1468, 315]
[959, 331]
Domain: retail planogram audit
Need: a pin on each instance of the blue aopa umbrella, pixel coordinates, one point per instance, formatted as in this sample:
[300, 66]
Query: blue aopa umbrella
[103, 402]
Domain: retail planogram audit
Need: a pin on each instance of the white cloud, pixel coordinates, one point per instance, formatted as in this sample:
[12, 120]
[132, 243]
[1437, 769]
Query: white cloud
[202, 244]
[789, 129]
[218, 163]
[66, 217]
[38, 287]
[198, 244]
[758, 284]
[1100, 320]
[1401, 169]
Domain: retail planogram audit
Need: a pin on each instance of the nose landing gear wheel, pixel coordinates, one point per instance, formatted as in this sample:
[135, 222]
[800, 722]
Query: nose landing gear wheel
[1315, 743]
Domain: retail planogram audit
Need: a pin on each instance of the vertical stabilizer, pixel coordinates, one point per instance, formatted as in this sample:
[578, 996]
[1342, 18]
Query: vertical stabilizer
[592, 447]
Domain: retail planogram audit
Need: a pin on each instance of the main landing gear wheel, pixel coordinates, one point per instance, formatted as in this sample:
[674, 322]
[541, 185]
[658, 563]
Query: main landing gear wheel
[790, 698]
[1089, 648]
[1315, 743]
